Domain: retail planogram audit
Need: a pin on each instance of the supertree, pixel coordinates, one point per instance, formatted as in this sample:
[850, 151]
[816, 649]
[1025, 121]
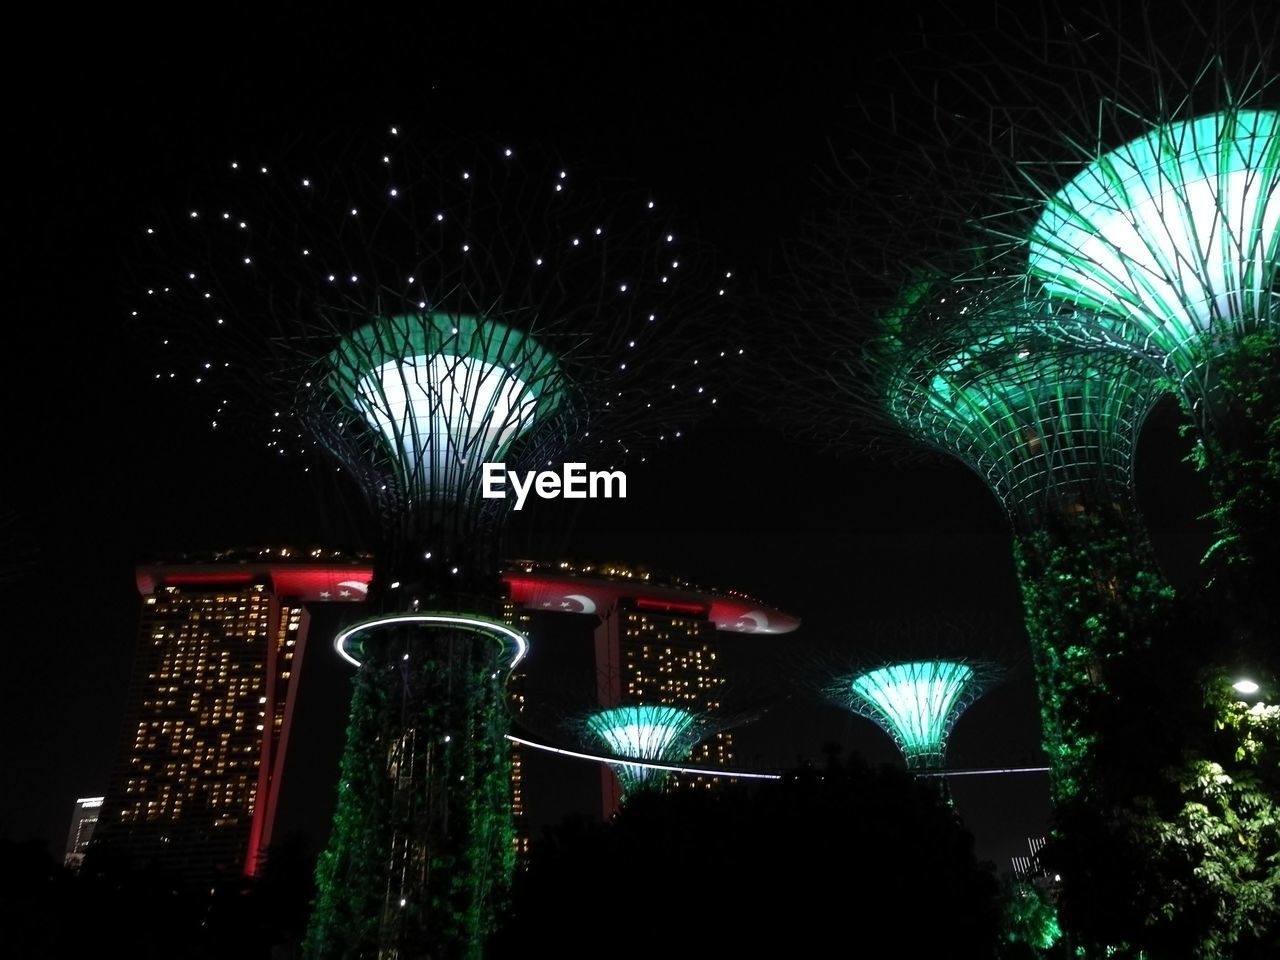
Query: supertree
[1052, 430]
[916, 702]
[417, 310]
[1134, 176]
[1107, 176]
[659, 733]
[1169, 242]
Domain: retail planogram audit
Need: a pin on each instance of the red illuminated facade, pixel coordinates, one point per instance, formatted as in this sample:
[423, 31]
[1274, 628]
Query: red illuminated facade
[563, 588]
[220, 648]
[196, 785]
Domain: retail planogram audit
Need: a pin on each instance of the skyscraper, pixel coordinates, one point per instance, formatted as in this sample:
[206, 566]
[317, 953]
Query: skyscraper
[220, 646]
[84, 817]
[520, 619]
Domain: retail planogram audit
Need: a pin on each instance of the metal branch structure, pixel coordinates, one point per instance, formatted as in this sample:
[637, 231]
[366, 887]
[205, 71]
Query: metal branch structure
[417, 308]
[917, 702]
[1109, 176]
[439, 395]
[1052, 429]
[1127, 173]
[1170, 243]
[649, 732]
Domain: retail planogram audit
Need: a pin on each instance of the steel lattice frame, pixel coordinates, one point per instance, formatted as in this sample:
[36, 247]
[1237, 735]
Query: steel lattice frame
[1170, 242]
[1117, 170]
[418, 403]
[654, 732]
[916, 702]
[1102, 159]
[1049, 428]
[1052, 428]
[416, 311]
[970, 368]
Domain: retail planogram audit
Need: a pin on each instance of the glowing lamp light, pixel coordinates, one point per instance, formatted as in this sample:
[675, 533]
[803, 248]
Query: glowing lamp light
[1173, 234]
[1245, 686]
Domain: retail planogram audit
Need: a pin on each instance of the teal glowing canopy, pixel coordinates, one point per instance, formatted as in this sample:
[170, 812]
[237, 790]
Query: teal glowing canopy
[655, 732]
[1172, 237]
[1047, 425]
[441, 394]
[917, 703]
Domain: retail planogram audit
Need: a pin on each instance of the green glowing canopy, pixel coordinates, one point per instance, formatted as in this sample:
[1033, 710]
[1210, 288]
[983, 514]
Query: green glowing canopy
[917, 703]
[1172, 236]
[644, 732]
[445, 393]
[1047, 425]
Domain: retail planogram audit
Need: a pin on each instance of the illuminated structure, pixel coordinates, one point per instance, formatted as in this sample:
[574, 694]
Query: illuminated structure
[196, 782]
[595, 589]
[416, 311]
[1115, 185]
[1168, 244]
[968, 370]
[1169, 241]
[645, 732]
[1133, 193]
[659, 643]
[84, 818]
[651, 652]
[973, 371]
[916, 702]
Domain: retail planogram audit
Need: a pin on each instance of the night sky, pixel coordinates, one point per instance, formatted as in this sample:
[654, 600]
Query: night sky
[727, 118]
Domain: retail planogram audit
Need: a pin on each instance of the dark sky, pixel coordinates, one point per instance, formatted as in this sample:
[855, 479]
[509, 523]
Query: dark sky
[727, 116]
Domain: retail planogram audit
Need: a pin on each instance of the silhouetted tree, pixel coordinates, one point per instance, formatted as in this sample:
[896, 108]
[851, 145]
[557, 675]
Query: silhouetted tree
[845, 851]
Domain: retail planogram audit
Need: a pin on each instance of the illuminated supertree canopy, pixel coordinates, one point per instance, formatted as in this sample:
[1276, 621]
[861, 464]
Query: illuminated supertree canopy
[1112, 177]
[971, 369]
[417, 308]
[917, 702]
[1052, 428]
[1170, 243]
[655, 732]
[1128, 182]
[1049, 428]
[443, 394]
[1171, 237]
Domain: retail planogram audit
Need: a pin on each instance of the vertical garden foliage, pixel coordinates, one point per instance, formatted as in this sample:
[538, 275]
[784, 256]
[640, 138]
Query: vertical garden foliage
[421, 854]
[1091, 592]
[1168, 841]
[1202, 835]
[348, 874]
[1242, 460]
